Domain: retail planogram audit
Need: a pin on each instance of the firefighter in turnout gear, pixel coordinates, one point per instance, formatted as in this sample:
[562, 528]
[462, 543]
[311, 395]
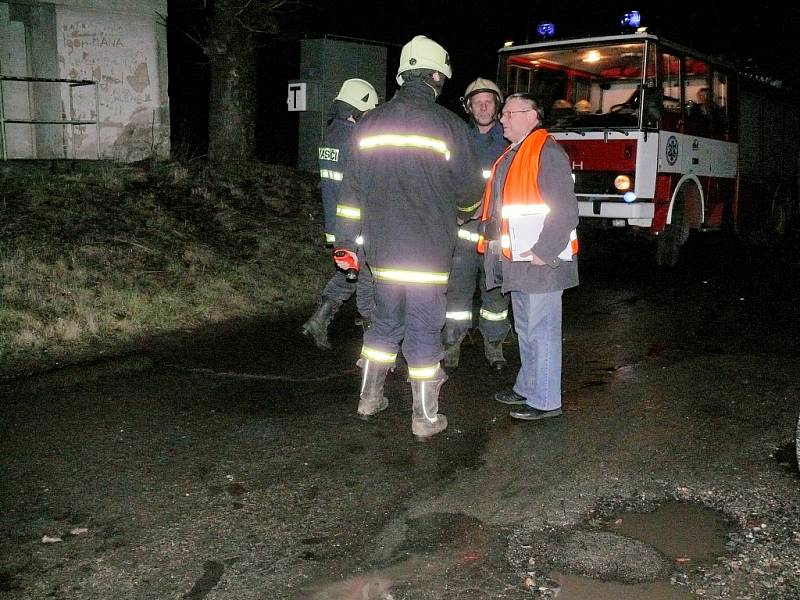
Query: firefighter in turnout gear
[413, 169]
[355, 97]
[482, 100]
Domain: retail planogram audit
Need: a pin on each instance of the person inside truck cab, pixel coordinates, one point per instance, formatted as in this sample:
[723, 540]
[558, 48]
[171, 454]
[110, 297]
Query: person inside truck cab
[704, 106]
[701, 116]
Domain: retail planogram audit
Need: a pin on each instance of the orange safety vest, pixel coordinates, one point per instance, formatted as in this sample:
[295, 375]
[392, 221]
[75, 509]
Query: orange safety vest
[520, 191]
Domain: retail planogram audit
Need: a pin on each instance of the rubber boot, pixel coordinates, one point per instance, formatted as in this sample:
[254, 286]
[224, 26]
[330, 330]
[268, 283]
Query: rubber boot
[373, 376]
[316, 328]
[452, 351]
[494, 354]
[425, 420]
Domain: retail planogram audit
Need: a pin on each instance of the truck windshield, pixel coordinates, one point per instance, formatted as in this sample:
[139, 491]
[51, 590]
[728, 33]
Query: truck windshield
[583, 87]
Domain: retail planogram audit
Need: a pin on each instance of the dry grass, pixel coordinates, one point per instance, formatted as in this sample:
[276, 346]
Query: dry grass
[94, 262]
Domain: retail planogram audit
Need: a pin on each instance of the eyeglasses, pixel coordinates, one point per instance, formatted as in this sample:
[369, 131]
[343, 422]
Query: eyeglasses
[508, 113]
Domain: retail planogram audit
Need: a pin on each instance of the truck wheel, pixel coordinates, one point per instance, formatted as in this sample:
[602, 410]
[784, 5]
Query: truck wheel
[673, 237]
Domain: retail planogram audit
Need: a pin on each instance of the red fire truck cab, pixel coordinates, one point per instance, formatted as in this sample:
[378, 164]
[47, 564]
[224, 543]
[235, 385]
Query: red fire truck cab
[662, 138]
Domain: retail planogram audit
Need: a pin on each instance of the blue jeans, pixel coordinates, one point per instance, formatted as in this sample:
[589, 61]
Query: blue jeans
[537, 321]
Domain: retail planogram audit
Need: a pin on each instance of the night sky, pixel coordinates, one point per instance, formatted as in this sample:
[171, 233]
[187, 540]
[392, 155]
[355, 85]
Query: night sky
[472, 31]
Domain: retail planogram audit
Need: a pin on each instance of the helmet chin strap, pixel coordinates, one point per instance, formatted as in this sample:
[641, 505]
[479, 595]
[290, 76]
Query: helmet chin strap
[436, 84]
[435, 91]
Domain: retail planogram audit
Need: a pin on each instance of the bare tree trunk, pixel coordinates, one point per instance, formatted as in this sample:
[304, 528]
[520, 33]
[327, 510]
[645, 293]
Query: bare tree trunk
[232, 95]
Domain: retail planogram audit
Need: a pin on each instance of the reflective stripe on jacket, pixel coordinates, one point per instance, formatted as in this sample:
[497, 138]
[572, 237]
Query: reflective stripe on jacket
[413, 168]
[333, 154]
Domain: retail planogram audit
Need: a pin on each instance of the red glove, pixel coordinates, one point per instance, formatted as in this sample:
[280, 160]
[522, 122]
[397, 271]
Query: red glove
[345, 259]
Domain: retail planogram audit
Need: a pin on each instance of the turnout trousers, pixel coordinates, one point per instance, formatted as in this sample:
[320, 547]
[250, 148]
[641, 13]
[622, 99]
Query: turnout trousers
[467, 272]
[408, 317]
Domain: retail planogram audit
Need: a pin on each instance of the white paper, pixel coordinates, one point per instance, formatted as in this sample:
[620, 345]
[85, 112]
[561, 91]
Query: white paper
[524, 231]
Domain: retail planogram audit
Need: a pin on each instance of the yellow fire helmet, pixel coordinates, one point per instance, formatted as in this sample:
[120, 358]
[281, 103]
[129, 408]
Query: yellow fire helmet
[359, 94]
[423, 53]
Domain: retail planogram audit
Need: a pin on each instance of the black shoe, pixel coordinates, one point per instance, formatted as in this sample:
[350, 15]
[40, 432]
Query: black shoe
[510, 397]
[529, 413]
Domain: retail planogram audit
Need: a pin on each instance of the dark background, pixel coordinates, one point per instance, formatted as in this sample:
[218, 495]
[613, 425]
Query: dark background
[758, 37]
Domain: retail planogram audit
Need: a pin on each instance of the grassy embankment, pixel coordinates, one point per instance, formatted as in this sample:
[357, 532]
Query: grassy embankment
[94, 263]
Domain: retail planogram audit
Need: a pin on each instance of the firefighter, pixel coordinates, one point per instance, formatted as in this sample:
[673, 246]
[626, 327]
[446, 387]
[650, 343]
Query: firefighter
[482, 100]
[413, 170]
[355, 97]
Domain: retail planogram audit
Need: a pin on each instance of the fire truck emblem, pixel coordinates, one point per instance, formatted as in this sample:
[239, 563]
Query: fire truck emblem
[671, 150]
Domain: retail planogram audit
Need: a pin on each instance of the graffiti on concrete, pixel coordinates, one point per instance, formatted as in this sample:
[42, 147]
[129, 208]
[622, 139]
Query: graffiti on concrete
[120, 54]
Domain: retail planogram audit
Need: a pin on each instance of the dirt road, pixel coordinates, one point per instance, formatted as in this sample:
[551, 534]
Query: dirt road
[230, 465]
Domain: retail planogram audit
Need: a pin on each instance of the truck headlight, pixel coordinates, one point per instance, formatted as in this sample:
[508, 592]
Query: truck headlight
[622, 183]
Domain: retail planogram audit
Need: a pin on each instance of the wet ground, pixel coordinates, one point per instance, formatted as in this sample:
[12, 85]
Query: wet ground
[230, 465]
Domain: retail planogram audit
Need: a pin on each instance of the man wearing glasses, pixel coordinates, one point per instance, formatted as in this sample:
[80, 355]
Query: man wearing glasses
[530, 247]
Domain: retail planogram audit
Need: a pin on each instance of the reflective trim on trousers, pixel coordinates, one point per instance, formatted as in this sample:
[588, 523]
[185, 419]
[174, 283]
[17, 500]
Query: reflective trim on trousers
[493, 316]
[459, 315]
[378, 356]
[423, 373]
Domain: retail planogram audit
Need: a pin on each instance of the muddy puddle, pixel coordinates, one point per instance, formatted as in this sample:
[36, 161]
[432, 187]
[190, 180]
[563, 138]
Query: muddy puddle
[457, 556]
[686, 534]
[436, 555]
[575, 587]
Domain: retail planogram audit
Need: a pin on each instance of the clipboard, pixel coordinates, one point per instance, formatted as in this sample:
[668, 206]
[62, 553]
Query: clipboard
[524, 231]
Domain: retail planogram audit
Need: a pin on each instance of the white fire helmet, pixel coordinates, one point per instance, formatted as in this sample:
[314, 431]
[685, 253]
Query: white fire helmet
[359, 94]
[423, 53]
[478, 86]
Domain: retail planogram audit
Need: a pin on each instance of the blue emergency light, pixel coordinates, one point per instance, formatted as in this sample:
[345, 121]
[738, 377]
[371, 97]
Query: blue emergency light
[631, 19]
[546, 30]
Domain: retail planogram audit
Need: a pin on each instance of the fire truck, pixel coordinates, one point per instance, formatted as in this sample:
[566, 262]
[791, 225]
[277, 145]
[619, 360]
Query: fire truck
[664, 140]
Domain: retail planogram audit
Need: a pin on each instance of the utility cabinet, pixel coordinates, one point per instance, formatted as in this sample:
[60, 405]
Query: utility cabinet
[324, 64]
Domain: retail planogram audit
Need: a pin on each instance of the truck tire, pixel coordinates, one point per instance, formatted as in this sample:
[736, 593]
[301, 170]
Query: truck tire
[673, 237]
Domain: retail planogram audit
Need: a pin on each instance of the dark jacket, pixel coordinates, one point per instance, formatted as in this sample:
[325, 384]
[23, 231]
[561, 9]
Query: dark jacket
[413, 167]
[334, 153]
[489, 145]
